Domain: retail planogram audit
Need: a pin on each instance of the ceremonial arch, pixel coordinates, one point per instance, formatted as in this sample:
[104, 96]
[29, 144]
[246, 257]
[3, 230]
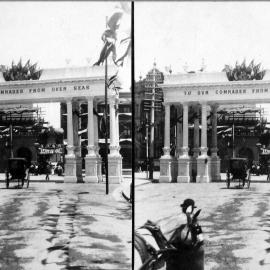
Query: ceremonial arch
[74, 87]
[205, 92]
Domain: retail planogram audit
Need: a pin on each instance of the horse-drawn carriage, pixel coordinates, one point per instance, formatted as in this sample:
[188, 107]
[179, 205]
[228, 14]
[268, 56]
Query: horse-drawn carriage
[183, 250]
[17, 170]
[238, 170]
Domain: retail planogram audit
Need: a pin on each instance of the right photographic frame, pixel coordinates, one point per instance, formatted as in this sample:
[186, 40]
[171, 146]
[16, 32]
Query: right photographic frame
[201, 135]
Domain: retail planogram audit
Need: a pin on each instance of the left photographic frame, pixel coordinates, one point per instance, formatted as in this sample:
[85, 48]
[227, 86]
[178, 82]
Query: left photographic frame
[66, 135]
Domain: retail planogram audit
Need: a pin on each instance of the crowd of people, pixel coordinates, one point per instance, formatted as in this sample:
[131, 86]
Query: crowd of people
[47, 168]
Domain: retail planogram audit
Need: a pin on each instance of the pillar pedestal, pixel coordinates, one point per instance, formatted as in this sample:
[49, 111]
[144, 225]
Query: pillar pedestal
[165, 166]
[73, 169]
[184, 167]
[92, 166]
[215, 166]
[115, 169]
[203, 167]
[183, 170]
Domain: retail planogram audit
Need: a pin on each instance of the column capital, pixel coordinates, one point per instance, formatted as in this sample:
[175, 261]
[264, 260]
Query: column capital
[166, 103]
[69, 99]
[203, 103]
[214, 106]
[112, 99]
[89, 98]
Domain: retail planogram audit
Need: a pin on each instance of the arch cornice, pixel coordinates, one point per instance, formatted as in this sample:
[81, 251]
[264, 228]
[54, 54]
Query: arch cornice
[221, 92]
[50, 90]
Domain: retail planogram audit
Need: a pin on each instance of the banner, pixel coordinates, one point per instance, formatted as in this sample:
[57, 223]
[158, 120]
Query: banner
[50, 151]
[265, 151]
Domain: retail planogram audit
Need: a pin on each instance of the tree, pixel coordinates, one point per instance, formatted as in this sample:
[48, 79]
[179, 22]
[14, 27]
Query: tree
[243, 72]
[20, 72]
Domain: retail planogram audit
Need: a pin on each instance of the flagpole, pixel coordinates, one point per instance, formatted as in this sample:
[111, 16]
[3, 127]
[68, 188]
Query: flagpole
[11, 141]
[106, 124]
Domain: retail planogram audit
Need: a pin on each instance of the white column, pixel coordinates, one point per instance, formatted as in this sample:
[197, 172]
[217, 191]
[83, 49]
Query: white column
[184, 159]
[114, 158]
[185, 130]
[90, 128]
[215, 160]
[167, 148]
[73, 164]
[70, 139]
[203, 166]
[204, 130]
[166, 160]
[96, 138]
[117, 138]
[92, 160]
[113, 147]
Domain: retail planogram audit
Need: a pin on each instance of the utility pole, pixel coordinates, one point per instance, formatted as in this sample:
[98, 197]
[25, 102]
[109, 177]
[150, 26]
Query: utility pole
[152, 125]
[147, 145]
[11, 140]
[153, 103]
[106, 123]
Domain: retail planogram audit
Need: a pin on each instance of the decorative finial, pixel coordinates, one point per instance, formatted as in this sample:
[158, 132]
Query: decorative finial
[203, 66]
[68, 60]
[185, 67]
[154, 63]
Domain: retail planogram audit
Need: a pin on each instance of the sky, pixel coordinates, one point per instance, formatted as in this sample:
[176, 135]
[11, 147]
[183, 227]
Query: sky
[184, 35]
[51, 34]
[175, 34]
[180, 33]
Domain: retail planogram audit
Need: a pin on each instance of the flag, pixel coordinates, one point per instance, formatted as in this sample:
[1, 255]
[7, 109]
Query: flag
[117, 37]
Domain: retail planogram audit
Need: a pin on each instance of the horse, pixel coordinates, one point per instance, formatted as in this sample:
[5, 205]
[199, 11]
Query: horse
[183, 251]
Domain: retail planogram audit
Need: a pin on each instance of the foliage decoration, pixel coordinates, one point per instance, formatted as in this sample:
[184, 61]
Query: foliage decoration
[20, 72]
[243, 72]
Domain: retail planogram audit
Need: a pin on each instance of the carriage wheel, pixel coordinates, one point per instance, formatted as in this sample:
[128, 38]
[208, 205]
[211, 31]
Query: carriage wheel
[228, 181]
[141, 247]
[248, 180]
[7, 182]
[27, 181]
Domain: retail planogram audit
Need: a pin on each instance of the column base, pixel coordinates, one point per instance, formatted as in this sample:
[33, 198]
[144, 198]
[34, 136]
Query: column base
[115, 169]
[92, 169]
[165, 169]
[73, 170]
[183, 169]
[203, 169]
[215, 168]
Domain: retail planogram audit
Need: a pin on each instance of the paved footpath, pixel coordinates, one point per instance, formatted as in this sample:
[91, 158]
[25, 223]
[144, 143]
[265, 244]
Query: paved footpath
[235, 222]
[52, 226]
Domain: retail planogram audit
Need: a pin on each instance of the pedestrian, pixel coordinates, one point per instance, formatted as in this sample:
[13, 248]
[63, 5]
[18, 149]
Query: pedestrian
[268, 170]
[48, 171]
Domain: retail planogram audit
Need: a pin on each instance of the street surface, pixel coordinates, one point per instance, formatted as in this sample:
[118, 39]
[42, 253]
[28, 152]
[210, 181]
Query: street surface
[235, 222]
[55, 226]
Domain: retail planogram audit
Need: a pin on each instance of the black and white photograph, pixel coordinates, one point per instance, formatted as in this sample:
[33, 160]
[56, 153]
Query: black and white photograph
[202, 153]
[134, 135]
[65, 135]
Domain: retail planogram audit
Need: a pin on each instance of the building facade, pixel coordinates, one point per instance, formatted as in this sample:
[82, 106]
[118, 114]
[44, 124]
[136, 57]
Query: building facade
[75, 86]
[239, 127]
